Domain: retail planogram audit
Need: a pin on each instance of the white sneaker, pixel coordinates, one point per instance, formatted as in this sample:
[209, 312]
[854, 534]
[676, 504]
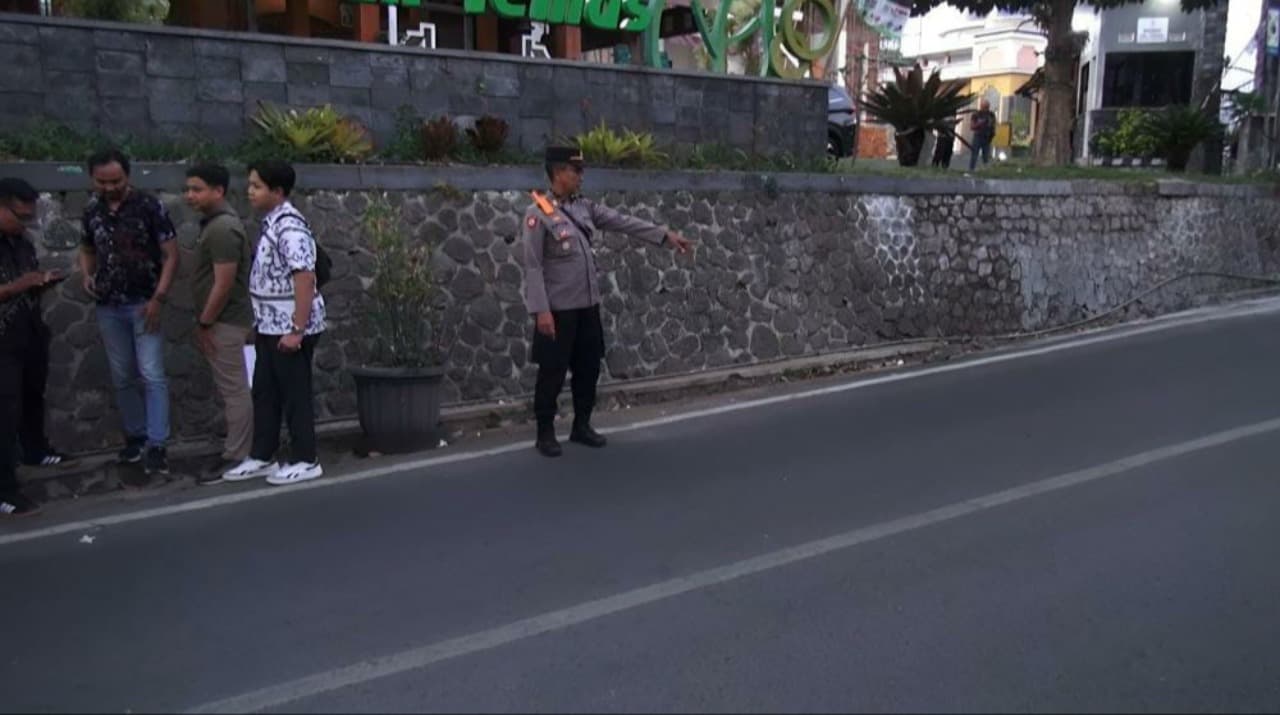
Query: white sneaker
[295, 473]
[251, 469]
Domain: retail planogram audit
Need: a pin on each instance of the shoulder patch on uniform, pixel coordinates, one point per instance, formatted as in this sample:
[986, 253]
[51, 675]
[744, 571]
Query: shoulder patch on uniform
[531, 222]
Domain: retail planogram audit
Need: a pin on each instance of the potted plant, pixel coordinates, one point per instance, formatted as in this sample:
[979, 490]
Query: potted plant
[915, 107]
[1177, 131]
[398, 393]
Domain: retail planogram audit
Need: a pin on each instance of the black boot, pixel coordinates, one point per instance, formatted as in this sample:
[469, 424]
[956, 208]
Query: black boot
[583, 434]
[547, 444]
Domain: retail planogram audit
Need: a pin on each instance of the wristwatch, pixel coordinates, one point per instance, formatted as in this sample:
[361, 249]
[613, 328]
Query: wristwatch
[295, 330]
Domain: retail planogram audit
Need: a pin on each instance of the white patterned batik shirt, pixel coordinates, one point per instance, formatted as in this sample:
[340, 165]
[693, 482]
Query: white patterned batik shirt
[285, 247]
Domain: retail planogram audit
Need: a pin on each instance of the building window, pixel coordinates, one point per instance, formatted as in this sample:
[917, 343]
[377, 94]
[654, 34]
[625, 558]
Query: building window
[1147, 79]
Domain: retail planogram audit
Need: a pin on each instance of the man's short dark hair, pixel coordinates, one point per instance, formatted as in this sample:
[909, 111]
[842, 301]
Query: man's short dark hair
[276, 175]
[215, 175]
[109, 156]
[12, 189]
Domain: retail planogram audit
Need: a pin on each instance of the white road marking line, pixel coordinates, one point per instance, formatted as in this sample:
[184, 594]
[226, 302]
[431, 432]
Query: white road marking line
[1161, 325]
[417, 658]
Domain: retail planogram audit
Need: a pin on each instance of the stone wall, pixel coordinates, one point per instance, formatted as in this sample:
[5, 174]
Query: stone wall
[167, 83]
[785, 266]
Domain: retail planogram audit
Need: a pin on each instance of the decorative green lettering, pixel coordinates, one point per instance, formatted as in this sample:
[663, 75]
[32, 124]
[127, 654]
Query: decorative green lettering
[572, 11]
[510, 9]
[540, 11]
[603, 14]
[475, 7]
[641, 14]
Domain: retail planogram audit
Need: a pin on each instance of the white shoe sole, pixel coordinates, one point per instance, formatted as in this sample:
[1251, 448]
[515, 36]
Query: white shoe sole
[267, 472]
[282, 479]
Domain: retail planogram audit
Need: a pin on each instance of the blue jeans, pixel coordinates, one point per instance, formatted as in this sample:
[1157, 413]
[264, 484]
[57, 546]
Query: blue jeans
[980, 146]
[137, 372]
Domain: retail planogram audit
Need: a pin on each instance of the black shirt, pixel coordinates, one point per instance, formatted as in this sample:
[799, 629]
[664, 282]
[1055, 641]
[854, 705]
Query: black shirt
[20, 315]
[127, 244]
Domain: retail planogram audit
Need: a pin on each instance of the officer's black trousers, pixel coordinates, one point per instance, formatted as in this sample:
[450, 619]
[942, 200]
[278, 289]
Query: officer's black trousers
[578, 348]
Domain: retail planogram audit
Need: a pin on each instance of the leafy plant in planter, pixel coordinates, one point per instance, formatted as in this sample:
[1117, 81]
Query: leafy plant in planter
[915, 106]
[439, 139]
[489, 135]
[398, 393]
[1177, 131]
[605, 147]
[315, 134]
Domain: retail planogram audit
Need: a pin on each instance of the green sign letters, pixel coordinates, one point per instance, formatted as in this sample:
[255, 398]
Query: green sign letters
[628, 15]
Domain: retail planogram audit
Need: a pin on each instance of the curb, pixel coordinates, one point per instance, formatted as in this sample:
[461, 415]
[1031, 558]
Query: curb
[98, 473]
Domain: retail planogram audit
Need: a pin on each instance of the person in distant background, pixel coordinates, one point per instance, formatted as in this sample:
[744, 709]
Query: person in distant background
[983, 125]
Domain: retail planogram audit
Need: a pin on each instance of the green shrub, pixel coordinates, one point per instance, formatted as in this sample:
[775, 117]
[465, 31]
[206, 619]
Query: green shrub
[316, 134]
[605, 147]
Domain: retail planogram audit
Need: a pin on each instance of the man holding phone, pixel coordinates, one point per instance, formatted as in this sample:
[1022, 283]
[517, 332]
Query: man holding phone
[24, 346]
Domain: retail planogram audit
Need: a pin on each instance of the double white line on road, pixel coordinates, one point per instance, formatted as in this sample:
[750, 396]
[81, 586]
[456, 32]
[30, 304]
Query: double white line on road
[416, 658]
[1263, 306]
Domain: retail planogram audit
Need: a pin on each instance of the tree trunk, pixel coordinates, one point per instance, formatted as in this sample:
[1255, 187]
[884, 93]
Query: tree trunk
[1058, 98]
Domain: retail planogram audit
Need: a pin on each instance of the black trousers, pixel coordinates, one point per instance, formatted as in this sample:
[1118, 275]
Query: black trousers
[282, 390]
[578, 348]
[23, 374]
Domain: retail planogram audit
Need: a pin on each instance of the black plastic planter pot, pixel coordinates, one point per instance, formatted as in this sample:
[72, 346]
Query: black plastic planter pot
[399, 408]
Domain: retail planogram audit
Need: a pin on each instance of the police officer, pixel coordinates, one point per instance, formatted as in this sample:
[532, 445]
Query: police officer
[562, 292]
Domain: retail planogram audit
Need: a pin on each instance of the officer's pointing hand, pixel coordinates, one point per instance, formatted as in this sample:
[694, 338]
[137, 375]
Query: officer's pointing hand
[678, 242]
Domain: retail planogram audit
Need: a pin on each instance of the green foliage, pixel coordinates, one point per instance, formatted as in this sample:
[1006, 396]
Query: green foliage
[41, 141]
[148, 11]
[912, 102]
[1171, 134]
[406, 146]
[316, 134]
[489, 135]
[605, 147]
[915, 107]
[406, 301]
[1129, 137]
[439, 138]
[1177, 131]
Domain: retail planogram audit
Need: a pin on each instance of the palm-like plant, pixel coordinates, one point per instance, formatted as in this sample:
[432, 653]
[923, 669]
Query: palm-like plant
[1177, 131]
[915, 106]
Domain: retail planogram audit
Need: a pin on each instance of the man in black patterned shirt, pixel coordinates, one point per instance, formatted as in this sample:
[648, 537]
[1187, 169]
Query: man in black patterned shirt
[24, 345]
[129, 258]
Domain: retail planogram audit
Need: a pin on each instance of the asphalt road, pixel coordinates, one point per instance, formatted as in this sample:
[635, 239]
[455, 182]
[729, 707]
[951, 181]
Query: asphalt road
[1087, 529]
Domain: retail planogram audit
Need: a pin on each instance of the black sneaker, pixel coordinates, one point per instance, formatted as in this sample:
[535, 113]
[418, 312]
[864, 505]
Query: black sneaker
[212, 470]
[50, 458]
[132, 452]
[15, 504]
[156, 461]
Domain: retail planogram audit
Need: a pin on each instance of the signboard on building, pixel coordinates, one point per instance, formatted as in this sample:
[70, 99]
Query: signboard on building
[886, 17]
[1152, 30]
[628, 15]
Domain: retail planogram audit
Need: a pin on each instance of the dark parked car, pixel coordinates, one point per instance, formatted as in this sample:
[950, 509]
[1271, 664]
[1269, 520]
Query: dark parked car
[842, 123]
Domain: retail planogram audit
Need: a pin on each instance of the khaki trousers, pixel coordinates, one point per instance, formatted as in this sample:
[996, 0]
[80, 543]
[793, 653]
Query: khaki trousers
[232, 381]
